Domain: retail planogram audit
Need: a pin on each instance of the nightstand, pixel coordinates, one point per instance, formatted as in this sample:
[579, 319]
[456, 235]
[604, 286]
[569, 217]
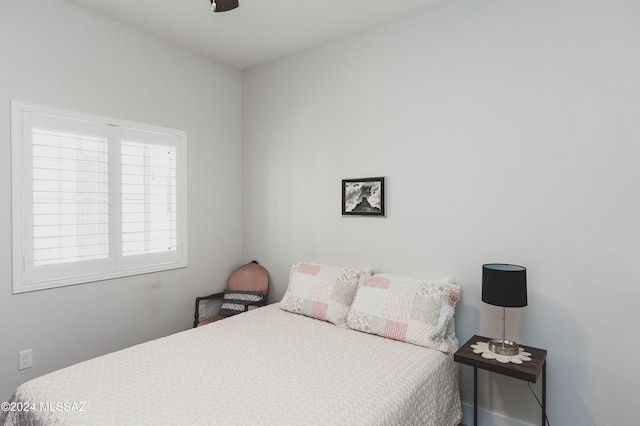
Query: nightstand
[528, 370]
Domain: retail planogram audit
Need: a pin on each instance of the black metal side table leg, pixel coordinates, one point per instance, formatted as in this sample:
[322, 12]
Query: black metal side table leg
[544, 393]
[475, 396]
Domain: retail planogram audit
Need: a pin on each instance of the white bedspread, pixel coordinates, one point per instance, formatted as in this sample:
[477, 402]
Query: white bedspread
[262, 367]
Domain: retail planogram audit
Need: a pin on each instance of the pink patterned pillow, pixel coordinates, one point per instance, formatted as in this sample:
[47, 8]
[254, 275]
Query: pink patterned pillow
[323, 292]
[417, 312]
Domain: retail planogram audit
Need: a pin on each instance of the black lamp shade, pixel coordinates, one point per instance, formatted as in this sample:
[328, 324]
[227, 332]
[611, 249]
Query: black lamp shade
[504, 285]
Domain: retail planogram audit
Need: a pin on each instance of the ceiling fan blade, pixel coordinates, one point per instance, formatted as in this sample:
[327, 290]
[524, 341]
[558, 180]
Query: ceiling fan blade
[224, 5]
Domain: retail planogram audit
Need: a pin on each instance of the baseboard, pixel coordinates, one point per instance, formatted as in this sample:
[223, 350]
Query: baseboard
[488, 418]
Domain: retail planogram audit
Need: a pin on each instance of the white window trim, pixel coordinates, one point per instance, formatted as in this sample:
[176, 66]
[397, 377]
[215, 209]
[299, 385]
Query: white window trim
[119, 267]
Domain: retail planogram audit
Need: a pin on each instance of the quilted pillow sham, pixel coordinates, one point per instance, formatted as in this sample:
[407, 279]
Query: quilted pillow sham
[417, 312]
[234, 301]
[451, 329]
[324, 292]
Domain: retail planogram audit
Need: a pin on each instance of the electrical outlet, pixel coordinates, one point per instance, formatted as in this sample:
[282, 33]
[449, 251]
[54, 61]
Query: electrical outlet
[25, 359]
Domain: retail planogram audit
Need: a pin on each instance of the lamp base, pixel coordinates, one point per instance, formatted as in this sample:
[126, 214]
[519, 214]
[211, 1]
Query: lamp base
[503, 347]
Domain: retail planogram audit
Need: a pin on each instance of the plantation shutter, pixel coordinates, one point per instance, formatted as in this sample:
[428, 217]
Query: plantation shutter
[68, 182]
[149, 213]
[149, 197]
[94, 198]
[70, 206]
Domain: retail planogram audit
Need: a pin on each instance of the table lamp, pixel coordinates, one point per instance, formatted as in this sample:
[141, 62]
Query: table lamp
[504, 285]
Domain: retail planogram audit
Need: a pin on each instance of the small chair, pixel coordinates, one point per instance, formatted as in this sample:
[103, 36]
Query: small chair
[248, 288]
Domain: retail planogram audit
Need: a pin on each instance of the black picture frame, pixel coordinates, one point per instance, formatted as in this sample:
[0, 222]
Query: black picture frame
[363, 197]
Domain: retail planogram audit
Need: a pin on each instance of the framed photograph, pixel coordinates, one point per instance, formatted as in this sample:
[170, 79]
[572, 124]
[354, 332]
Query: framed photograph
[363, 197]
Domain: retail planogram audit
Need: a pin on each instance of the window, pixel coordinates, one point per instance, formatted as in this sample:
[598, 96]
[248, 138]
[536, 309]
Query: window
[94, 198]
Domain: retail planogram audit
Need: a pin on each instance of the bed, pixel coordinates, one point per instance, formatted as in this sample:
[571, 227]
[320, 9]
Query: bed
[266, 366]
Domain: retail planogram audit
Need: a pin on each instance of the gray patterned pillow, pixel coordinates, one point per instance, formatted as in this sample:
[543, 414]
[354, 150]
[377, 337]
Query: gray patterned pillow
[234, 301]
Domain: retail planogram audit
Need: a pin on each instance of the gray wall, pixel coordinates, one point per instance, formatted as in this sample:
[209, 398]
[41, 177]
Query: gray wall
[508, 132]
[58, 55]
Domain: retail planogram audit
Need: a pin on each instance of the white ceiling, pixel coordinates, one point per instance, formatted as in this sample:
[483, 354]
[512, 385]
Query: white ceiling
[257, 31]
